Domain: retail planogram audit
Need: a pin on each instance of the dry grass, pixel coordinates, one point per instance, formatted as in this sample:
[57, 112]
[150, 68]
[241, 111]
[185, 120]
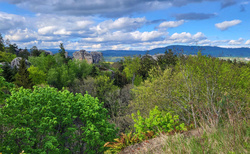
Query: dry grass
[230, 138]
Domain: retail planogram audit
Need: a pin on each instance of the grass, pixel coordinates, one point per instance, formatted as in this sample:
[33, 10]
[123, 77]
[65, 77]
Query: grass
[230, 138]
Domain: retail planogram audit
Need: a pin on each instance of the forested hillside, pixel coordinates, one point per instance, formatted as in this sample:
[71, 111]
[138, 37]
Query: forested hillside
[54, 104]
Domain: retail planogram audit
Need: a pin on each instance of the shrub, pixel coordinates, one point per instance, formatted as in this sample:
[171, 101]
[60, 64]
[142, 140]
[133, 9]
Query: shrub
[157, 122]
[146, 128]
[48, 121]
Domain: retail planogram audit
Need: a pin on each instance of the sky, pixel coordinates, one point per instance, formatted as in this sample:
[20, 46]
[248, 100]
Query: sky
[125, 24]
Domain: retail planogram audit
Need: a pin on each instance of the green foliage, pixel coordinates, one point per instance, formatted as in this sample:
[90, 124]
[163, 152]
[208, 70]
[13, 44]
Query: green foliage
[147, 63]
[22, 77]
[124, 141]
[158, 121]
[44, 63]
[34, 51]
[37, 76]
[94, 71]
[8, 73]
[64, 75]
[168, 59]
[61, 76]
[24, 53]
[137, 80]
[105, 89]
[4, 87]
[120, 79]
[146, 128]
[1, 43]
[49, 121]
[12, 48]
[197, 83]
[62, 50]
[131, 67]
[6, 57]
[80, 67]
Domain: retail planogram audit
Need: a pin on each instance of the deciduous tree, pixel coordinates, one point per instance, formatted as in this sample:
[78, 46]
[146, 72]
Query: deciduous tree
[45, 120]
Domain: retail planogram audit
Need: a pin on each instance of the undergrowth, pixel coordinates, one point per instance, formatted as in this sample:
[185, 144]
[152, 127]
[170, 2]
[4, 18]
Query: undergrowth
[230, 139]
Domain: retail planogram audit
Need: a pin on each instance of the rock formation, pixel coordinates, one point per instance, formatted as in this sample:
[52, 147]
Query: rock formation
[16, 62]
[79, 54]
[97, 56]
[48, 52]
[92, 57]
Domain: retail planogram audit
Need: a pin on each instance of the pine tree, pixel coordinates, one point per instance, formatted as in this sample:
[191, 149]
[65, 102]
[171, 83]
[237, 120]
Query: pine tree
[8, 73]
[1, 43]
[62, 50]
[22, 76]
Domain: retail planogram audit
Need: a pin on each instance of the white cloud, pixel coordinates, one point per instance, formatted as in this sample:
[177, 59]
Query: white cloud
[226, 24]
[121, 24]
[247, 42]
[21, 35]
[199, 36]
[127, 37]
[236, 42]
[11, 21]
[147, 36]
[171, 24]
[185, 37]
[96, 46]
[46, 30]
[62, 32]
[205, 42]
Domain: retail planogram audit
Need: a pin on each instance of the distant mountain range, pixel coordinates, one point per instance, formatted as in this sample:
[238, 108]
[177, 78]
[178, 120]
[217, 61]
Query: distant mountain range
[205, 50]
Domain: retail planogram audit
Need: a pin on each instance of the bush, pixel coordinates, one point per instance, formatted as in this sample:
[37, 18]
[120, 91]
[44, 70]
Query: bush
[48, 121]
[146, 128]
[157, 122]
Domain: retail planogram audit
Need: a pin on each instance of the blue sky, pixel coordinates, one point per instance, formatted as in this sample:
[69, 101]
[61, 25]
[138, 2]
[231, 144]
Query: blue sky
[125, 24]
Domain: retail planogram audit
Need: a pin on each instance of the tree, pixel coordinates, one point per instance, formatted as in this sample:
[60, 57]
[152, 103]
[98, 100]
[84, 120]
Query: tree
[22, 76]
[61, 76]
[24, 53]
[8, 73]
[45, 120]
[168, 59]
[62, 50]
[105, 89]
[37, 76]
[1, 43]
[120, 79]
[132, 65]
[4, 88]
[13, 48]
[95, 71]
[80, 67]
[45, 63]
[6, 57]
[34, 51]
[197, 84]
[146, 64]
